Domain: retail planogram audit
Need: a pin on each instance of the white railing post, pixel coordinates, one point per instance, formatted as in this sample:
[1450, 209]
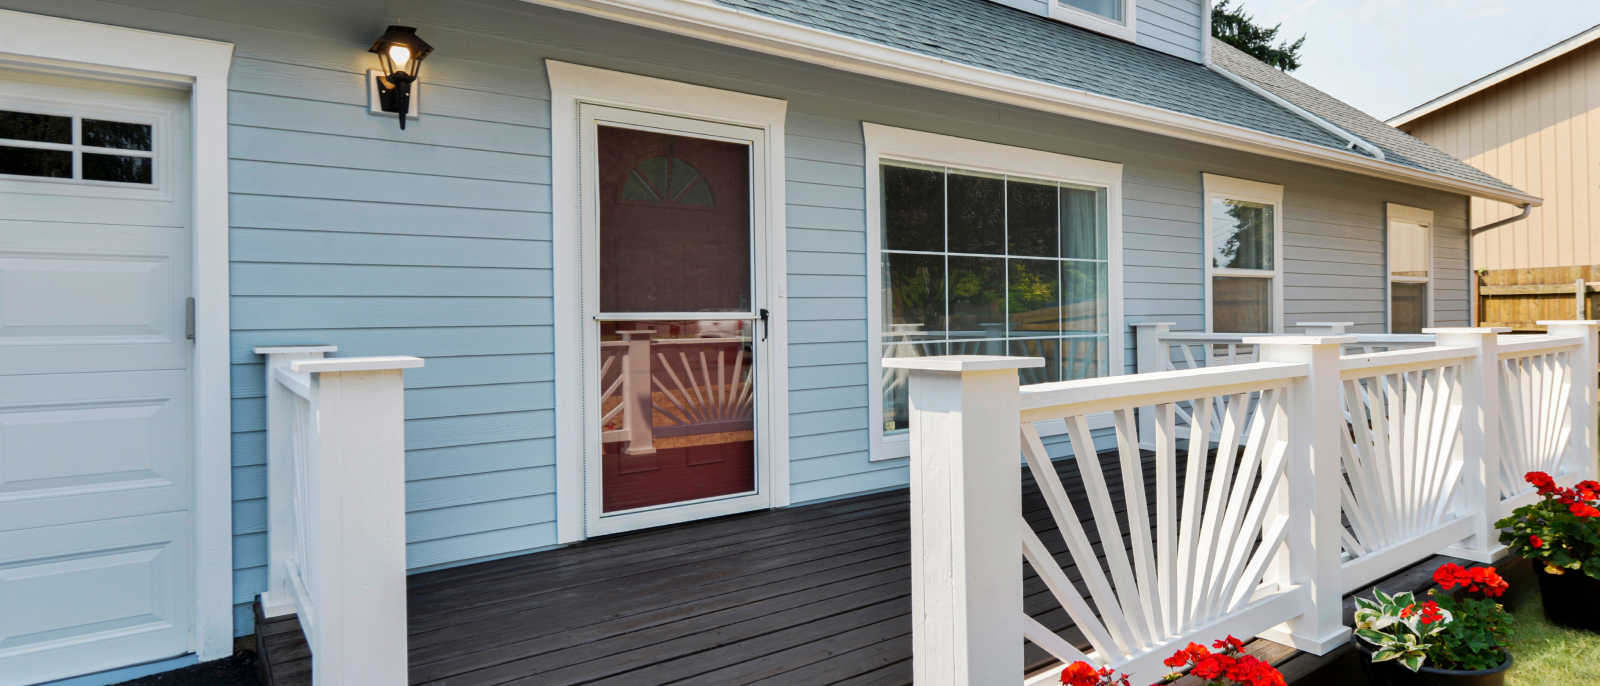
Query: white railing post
[360, 515]
[966, 496]
[1480, 438]
[1311, 499]
[277, 601]
[1584, 370]
[1151, 354]
[638, 416]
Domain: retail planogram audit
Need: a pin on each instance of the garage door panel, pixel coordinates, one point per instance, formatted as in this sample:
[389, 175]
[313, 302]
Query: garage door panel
[114, 584]
[65, 308]
[116, 445]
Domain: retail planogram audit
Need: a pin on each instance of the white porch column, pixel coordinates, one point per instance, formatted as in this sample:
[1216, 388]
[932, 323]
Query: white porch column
[1150, 355]
[1311, 499]
[277, 601]
[1480, 439]
[966, 495]
[1584, 371]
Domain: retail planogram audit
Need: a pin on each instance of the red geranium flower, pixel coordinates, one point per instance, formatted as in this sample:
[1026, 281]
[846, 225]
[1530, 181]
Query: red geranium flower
[1229, 644]
[1541, 481]
[1583, 510]
[1212, 666]
[1080, 673]
[1431, 613]
[1536, 541]
[1476, 579]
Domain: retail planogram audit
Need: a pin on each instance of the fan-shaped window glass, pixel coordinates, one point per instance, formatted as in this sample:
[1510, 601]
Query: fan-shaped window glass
[670, 180]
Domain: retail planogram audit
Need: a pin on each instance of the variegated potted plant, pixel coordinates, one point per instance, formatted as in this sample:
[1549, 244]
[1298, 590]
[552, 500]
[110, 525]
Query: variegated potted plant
[1442, 640]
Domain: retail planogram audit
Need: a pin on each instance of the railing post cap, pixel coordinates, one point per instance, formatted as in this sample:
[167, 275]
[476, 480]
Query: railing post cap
[1139, 324]
[355, 364]
[1324, 323]
[1468, 329]
[963, 363]
[1300, 340]
[287, 349]
[1569, 322]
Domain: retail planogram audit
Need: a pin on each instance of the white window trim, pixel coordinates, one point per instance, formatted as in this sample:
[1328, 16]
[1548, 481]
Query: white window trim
[572, 85]
[906, 145]
[1229, 188]
[1415, 215]
[201, 67]
[1126, 30]
[160, 153]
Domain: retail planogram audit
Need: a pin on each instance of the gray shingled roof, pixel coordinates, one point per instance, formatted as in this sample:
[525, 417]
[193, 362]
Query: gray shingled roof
[987, 35]
[992, 36]
[1398, 146]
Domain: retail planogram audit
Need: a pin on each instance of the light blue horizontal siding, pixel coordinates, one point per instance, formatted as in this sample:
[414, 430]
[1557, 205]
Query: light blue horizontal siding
[1174, 27]
[431, 242]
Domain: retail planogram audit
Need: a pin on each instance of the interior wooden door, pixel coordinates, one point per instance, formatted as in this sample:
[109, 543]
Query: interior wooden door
[678, 335]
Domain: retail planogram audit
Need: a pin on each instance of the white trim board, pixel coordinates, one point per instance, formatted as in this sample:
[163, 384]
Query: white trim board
[906, 145]
[36, 42]
[1252, 191]
[1487, 82]
[574, 85]
[729, 26]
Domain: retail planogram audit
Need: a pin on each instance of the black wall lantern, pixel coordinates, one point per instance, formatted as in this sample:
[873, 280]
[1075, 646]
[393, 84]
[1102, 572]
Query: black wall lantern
[400, 54]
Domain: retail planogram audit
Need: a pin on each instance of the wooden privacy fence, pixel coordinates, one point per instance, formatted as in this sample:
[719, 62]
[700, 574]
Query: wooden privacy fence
[1521, 298]
[1419, 449]
[336, 535]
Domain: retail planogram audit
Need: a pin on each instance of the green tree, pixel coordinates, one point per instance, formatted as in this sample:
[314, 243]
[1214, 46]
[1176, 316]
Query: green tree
[1234, 27]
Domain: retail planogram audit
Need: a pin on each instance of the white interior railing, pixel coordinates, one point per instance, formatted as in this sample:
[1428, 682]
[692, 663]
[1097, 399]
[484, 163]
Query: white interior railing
[1411, 445]
[336, 509]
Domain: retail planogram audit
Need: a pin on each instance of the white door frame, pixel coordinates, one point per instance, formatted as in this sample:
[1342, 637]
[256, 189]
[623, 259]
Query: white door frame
[570, 86]
[40, 43]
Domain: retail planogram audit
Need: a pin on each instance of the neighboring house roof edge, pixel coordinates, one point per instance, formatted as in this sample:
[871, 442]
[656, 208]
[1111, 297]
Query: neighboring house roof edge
[1531, 62]
[731, 26]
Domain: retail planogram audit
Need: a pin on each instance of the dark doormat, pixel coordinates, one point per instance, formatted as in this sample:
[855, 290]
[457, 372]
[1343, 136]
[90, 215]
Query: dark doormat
[239, 670]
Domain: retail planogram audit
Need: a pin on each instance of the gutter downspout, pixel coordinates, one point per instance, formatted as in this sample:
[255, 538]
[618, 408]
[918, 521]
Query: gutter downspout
[1351, 139]
[1476, 309]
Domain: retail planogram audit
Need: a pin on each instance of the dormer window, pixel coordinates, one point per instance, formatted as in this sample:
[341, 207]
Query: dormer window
[1111, 17]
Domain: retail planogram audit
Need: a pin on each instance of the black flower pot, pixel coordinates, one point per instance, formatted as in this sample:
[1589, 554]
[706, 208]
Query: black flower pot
[1571, 599]
[1392, 673]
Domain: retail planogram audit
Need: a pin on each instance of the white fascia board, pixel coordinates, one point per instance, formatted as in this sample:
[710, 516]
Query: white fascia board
[728, 26]
[1489, 81]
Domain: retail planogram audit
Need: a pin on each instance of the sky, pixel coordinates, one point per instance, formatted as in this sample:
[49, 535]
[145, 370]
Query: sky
[1388, 56]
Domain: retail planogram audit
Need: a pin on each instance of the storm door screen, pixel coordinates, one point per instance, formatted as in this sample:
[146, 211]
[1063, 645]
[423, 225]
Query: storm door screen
[678, 332]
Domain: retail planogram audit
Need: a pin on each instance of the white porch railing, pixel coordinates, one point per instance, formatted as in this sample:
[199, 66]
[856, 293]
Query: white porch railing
[657, 388]
[336, 509]
[1411, 446]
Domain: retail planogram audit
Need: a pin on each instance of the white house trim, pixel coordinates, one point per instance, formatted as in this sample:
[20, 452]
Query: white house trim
[1489, 81]
[31, 41]
[1251, 191]
[572, 85]
[906, 145]
[729, 26]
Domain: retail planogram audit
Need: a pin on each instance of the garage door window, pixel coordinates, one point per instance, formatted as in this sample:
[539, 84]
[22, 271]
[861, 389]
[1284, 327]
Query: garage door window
[76, 148]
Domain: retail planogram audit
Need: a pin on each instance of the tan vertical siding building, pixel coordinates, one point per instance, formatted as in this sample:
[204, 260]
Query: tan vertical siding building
[1535, 125]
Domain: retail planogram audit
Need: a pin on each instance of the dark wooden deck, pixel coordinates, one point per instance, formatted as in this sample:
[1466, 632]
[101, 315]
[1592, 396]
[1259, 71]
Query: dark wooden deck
[810, 595]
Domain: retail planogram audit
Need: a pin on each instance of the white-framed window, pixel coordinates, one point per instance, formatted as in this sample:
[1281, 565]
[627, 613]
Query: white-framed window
[1410, 269]
[1111, 17]
[1244, 255]
[63, 147]
[984, 249]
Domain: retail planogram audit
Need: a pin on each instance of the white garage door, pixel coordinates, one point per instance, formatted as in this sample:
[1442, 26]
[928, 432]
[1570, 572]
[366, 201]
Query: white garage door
[95, 457]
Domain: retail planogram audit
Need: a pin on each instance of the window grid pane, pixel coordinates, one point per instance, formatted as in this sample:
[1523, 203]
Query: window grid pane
[1242, 235]
[987, 264]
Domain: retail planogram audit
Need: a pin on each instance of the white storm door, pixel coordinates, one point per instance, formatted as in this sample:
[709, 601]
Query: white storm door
[96, 564]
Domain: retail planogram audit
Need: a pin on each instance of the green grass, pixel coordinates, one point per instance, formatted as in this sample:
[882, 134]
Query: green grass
[1546, 654]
